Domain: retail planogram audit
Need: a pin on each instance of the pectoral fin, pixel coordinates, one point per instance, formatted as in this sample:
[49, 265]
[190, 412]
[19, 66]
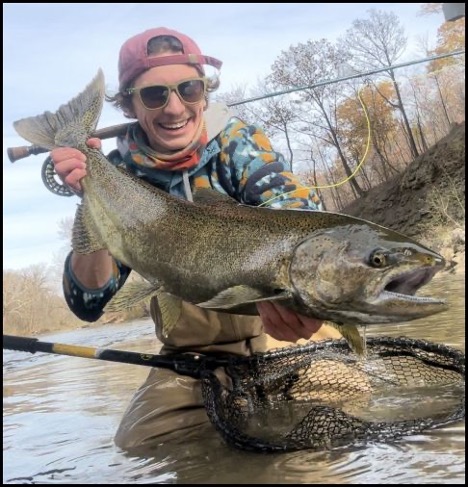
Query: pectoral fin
[132, 294]
[351, 334]
[237, 296]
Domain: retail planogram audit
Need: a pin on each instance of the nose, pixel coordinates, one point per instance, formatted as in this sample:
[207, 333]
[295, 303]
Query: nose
[174, 105]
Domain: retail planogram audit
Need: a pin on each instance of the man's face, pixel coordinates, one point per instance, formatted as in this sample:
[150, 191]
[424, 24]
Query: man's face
[174, 126]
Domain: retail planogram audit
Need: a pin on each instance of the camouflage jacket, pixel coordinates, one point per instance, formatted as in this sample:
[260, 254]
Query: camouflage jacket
[238, 161]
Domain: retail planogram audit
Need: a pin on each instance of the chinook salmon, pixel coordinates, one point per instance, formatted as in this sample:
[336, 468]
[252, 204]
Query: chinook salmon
[226, 256]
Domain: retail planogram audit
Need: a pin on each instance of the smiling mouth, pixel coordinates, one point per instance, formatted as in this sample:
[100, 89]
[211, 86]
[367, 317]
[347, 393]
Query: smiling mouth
[174, 126]
[405, 285]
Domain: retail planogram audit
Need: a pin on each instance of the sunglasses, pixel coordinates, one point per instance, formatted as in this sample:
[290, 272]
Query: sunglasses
[155, 97]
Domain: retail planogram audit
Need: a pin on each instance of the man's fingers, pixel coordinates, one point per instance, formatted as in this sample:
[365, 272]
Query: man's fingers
[284, 322]
[303, 325]
[297, 326]
[310, 324]
[61, 154]
[281, 323]
[287, 315]
[270, 319]
[74, 178]
[69, 165]
[94, 143]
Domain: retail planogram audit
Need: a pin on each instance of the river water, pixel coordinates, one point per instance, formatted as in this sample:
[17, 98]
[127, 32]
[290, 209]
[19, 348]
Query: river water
[60, 414]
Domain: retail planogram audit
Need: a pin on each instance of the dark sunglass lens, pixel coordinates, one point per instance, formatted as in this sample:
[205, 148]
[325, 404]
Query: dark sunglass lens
[192, 91]
[154, 96]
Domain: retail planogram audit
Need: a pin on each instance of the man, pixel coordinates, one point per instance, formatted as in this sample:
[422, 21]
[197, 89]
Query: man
[180, 143]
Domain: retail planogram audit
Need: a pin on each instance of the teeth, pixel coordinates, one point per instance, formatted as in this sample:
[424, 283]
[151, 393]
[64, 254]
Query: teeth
[175, 125]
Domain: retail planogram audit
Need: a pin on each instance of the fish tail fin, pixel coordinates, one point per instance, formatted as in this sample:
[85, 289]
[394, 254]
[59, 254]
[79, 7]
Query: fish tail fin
[72, 124]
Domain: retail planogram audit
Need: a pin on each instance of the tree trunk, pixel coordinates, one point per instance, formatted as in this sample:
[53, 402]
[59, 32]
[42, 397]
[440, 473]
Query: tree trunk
[411, 141]
[357, 190]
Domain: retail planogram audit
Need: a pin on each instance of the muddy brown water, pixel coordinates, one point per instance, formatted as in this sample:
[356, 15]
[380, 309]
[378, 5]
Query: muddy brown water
[60, 414]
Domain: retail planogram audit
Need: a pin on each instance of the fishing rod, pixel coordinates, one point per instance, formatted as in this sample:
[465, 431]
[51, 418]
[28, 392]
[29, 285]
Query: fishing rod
[185, 364]
[17, 153]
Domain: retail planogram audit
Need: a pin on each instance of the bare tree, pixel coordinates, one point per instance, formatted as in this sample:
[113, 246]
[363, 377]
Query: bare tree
[305, 65]
[29, 304]
[378, 42]
[275, 113]
[235, 95]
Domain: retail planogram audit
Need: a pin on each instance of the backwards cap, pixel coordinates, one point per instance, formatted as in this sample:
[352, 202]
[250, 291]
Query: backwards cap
[134, 58]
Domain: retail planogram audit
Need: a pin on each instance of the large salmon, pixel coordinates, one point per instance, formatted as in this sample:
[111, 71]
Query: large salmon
[227, 256]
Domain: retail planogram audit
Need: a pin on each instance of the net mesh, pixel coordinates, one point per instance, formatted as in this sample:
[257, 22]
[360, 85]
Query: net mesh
[322, 396]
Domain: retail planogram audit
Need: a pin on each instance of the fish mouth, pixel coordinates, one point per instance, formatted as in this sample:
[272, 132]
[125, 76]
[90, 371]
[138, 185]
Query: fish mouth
[405, 285]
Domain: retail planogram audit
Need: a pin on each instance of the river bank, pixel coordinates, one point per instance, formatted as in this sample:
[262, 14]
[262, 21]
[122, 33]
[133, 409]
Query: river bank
[426, 201]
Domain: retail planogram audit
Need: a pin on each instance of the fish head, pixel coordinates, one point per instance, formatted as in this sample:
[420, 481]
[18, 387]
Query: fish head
[362, 273]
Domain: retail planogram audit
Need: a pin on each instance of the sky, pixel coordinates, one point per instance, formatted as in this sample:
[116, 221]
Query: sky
[52, 51]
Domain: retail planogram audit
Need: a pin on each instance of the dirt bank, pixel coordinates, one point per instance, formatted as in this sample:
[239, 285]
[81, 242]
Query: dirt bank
[427, 201]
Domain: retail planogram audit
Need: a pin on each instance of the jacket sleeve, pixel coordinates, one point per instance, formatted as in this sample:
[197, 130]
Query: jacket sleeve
[255, 174]
[88, 304]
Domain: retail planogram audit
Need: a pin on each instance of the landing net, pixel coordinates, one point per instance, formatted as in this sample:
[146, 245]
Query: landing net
[322, 396]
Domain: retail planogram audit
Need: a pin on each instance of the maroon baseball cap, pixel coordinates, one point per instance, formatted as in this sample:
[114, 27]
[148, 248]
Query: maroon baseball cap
[134, 58]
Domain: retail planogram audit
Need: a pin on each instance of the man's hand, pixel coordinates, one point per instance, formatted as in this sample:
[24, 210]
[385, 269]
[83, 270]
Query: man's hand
[284, 324]
[70, 163]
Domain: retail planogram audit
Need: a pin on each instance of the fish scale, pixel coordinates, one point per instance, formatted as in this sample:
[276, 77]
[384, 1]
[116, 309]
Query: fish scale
[226, 256]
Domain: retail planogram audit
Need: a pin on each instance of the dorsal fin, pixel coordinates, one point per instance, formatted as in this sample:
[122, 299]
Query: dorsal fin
[209, 196]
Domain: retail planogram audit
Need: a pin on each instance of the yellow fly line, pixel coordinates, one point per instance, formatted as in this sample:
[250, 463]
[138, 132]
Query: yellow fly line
[353, 174]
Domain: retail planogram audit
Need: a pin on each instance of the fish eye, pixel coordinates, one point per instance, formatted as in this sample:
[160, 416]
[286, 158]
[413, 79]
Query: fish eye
[378, 258]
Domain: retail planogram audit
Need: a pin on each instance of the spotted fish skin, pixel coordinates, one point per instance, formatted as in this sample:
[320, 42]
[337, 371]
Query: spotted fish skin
[222, 255]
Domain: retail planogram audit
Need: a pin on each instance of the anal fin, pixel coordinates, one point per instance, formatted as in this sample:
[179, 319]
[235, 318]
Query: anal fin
[171, 309]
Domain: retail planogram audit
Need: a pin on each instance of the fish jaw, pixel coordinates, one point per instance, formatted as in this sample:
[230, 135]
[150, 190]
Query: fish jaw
[334, 277]
[397, 297]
